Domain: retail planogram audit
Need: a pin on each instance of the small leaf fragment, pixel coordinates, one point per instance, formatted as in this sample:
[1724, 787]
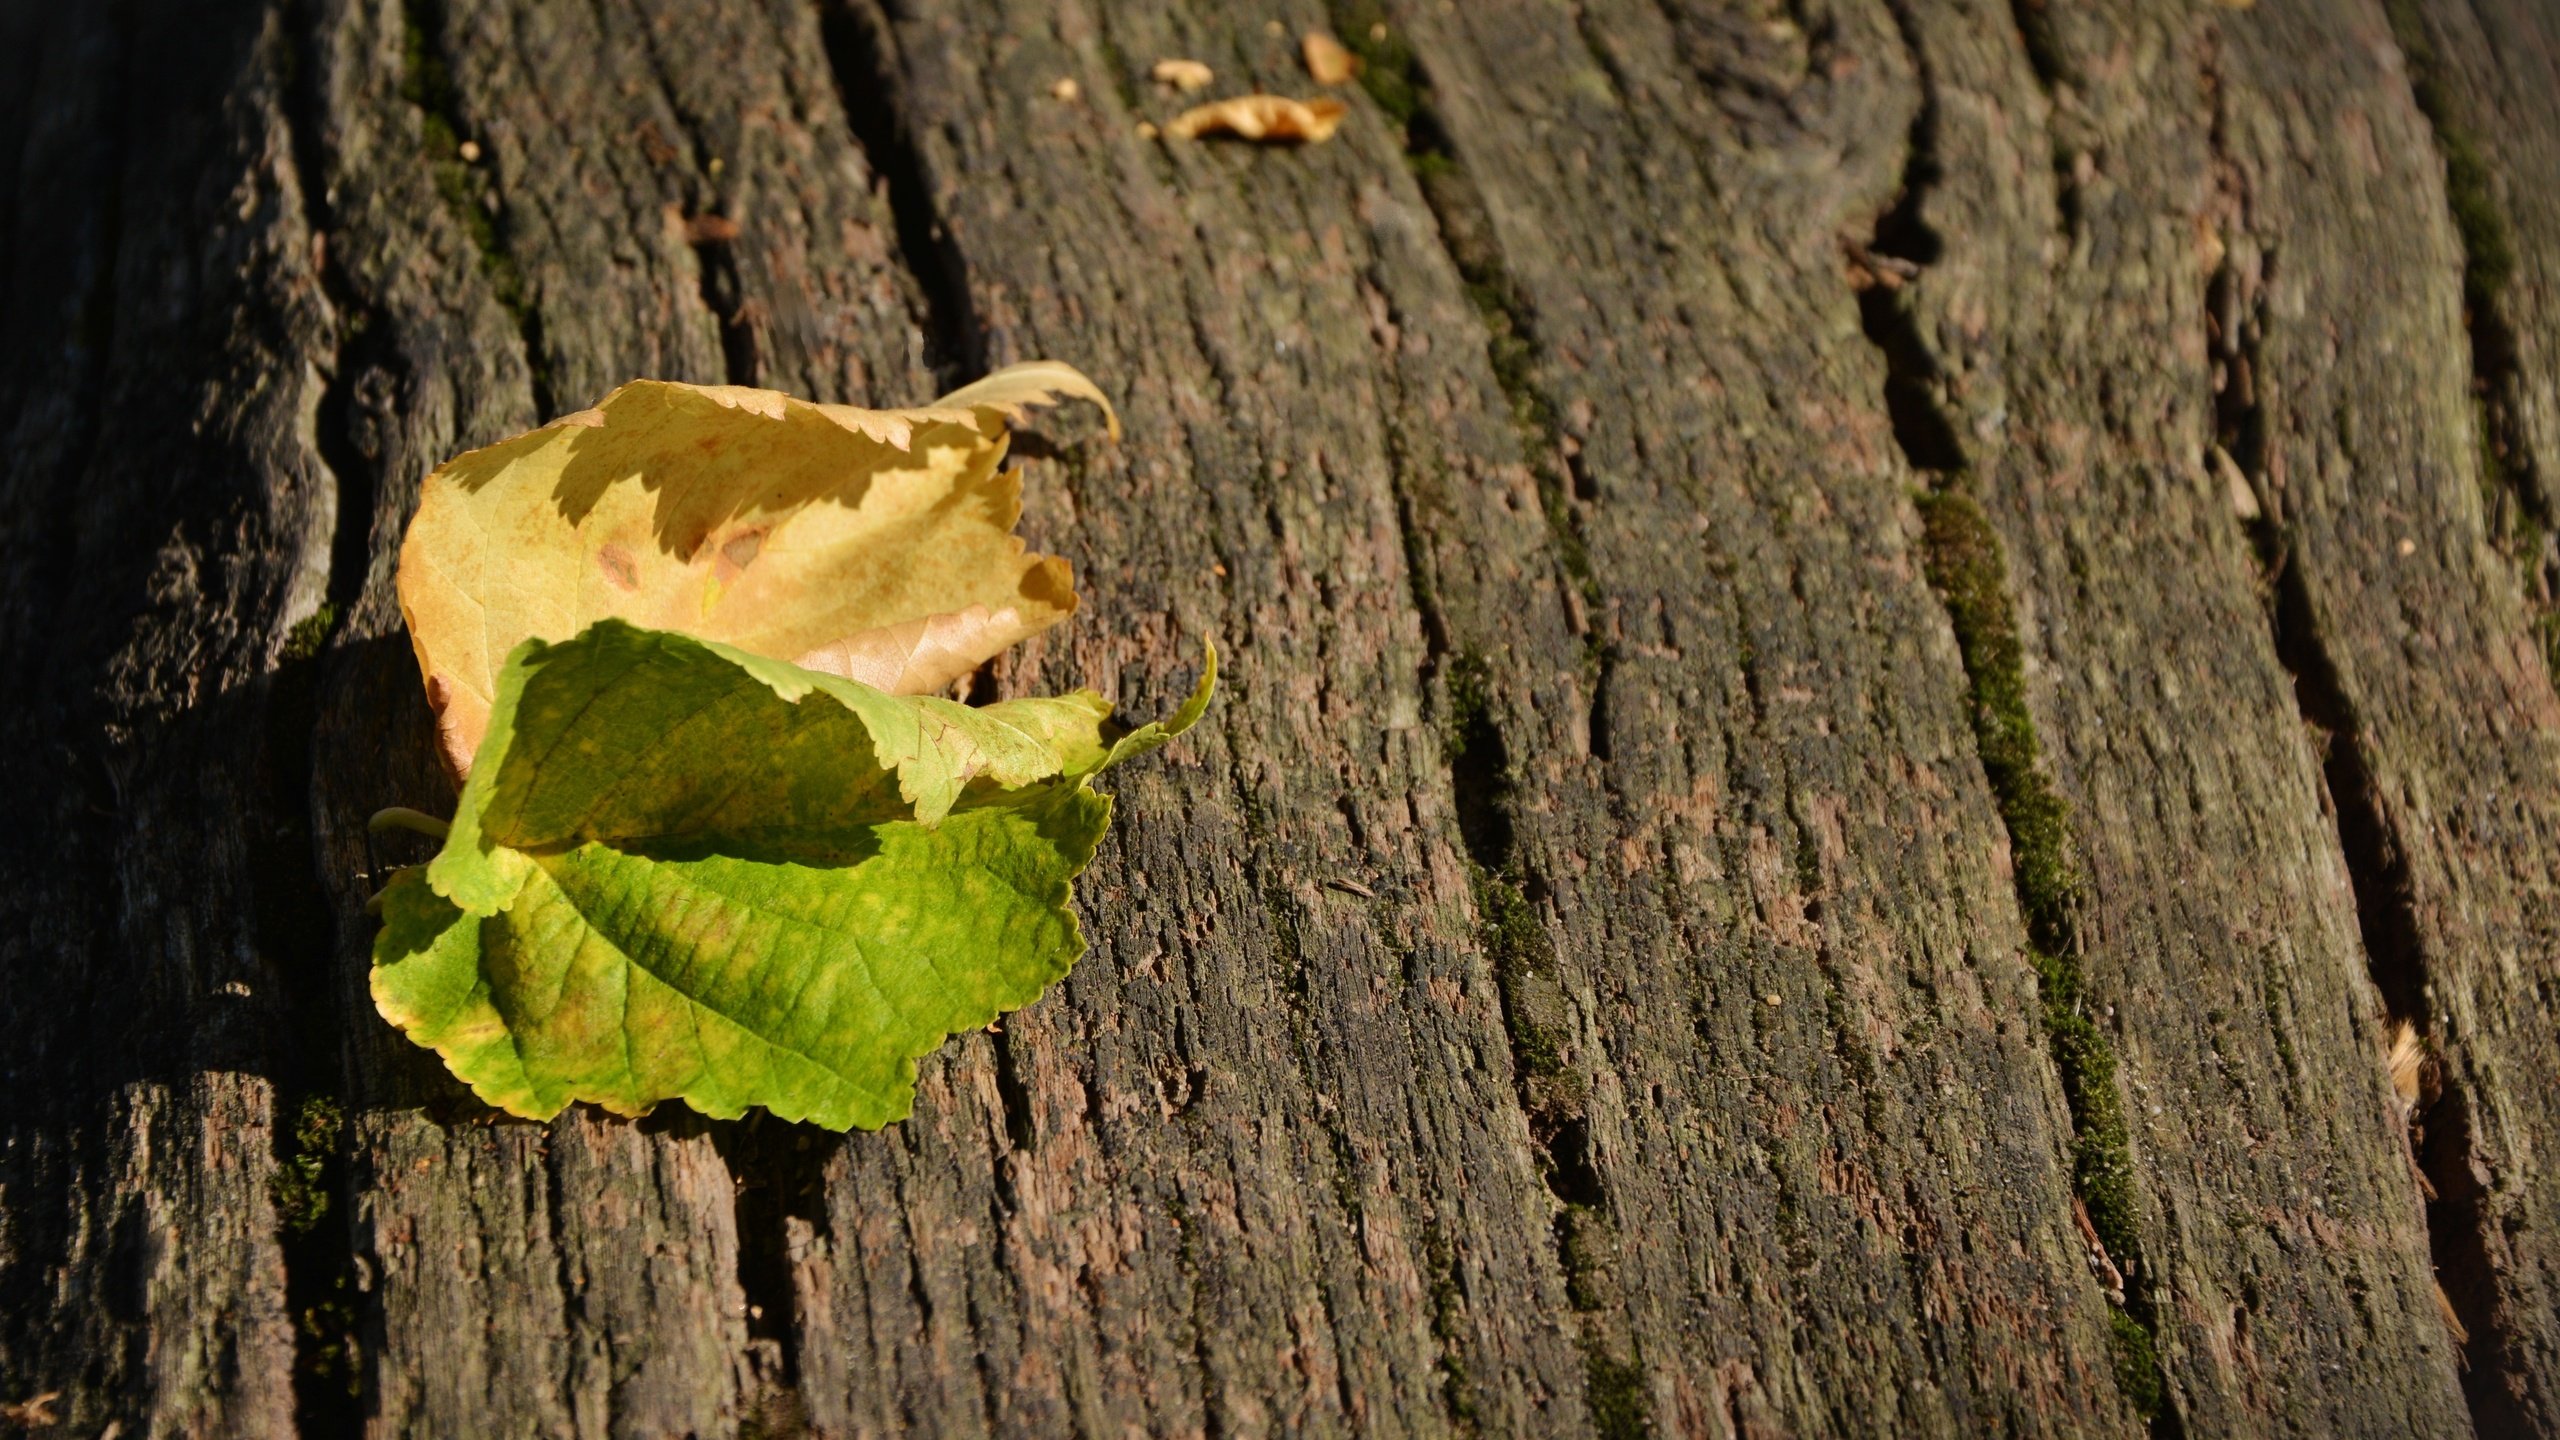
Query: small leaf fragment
[1329, 61]
[1186, 76]
[1269, 119]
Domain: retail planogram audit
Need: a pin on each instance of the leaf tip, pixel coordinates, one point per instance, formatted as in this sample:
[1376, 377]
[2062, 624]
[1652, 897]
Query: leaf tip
[1198, 704]
[1016, 389]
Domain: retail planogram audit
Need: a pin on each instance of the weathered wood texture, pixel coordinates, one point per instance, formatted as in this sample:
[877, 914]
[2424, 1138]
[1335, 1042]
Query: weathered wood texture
[1878, 649]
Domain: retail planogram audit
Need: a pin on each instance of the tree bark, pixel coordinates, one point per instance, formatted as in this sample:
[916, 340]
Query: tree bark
[1878, 653]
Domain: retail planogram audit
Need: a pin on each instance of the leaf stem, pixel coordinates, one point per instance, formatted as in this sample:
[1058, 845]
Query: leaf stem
[401, 817]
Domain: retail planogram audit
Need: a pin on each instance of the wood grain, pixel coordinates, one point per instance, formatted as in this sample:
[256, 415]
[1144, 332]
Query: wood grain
[1602, 968]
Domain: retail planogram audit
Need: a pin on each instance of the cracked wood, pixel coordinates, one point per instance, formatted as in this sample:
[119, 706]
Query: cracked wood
[1579, 980]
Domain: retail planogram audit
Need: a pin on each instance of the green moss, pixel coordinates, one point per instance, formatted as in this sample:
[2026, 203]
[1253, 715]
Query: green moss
[1467, 728]
[1388, 70]
[1395, 81]
[1587, 1243]
[2519, 518]
[308, 634]
[1124, 76]
[1511, 352]
[328, 1354]
[426, 82]
[1615, 1391]
[2137, 1365]
[1534, 1013]
[1788, 1222]
[2488, 248]
[2488, 252]
[1448, 1326]
[1524, 960]
[1524, 967]
[2101, 1150]
[300, 1188]
[1808, 861]
[1966, 566]
[2531, 537]
[1430, 165]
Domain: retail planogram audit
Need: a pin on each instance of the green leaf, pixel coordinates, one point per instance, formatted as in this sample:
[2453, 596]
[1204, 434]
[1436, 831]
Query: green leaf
[682, 871]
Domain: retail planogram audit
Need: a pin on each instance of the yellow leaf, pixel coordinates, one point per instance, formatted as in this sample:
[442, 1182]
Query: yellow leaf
[874, 544]
[1261, 117]
[919, 656]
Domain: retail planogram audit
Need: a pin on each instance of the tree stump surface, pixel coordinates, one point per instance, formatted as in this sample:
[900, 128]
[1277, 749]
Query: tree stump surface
[1889, 762]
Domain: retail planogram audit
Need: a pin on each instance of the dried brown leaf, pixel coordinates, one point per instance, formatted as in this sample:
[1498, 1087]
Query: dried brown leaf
[1271, 119]
[1329, 62]
[872, 543]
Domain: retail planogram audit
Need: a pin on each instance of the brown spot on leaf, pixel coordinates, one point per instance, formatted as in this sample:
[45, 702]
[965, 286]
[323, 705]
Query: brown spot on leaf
[738, 552]
[618, 567]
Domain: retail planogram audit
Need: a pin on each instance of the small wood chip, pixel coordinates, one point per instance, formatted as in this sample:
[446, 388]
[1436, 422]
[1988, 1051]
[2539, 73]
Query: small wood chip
[1066, 90]
[710, 230]
[2101, 1264]
[1350, 887]
[36, 1411]
[1868, 270]
[1327, 61]
[1183, 75]
[1270, 119]
[2452, 1322]
[2244, 496]
[2406, 1056]
[469, 150]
